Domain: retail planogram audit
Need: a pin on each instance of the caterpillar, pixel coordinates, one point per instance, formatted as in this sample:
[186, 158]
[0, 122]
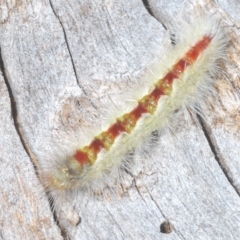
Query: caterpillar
[186, 75]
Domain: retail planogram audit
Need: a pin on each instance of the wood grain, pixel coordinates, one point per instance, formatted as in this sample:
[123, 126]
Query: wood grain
[62, 63]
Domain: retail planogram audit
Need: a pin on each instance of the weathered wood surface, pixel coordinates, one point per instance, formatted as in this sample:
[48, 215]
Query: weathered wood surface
[61, 61]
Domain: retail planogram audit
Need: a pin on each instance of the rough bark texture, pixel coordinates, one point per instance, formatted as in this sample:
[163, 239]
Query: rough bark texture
[61, 61]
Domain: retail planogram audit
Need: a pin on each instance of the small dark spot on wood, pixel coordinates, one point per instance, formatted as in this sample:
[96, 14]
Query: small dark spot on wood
[165, 227]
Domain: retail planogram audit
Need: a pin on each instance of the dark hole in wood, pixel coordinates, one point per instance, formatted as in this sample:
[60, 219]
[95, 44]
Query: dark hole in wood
[165, 227]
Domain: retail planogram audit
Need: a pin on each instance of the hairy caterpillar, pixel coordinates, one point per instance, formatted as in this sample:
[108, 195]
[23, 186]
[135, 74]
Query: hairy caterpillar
[187, 75]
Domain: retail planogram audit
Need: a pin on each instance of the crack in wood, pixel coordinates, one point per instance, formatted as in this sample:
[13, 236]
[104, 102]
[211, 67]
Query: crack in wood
[147, 6]
[14, 112]
[215, 151]
[70, 54]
